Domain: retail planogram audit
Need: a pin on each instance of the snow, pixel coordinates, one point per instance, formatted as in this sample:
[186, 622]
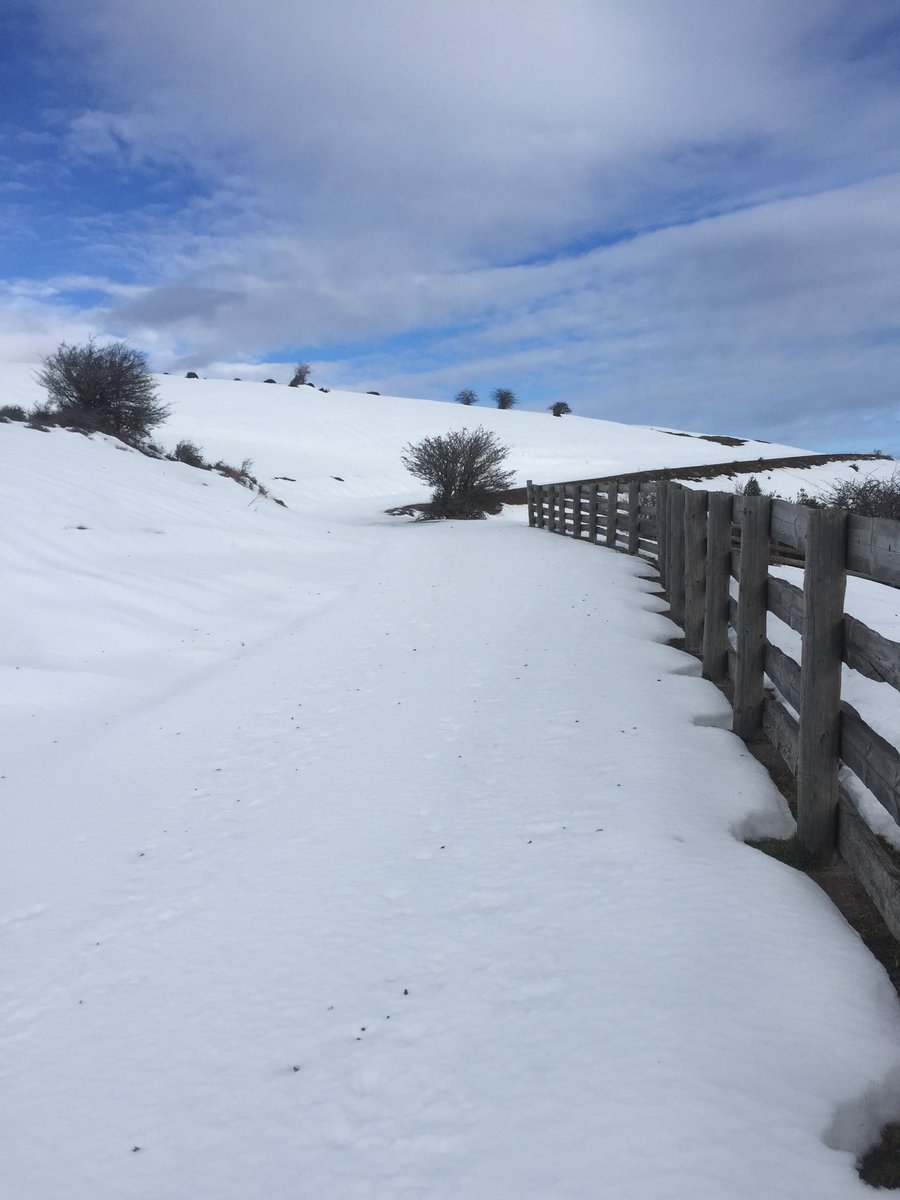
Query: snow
[347, 856]
[787, 482]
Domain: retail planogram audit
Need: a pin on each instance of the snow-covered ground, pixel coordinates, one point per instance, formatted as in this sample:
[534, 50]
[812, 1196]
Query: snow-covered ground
[345, 856]
[788, 482]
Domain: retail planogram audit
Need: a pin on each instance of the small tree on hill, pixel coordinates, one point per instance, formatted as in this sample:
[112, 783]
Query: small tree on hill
[467, 397]
[302, 372]
[503, 397]
[465, 469]
[560, 409]
[104, 388]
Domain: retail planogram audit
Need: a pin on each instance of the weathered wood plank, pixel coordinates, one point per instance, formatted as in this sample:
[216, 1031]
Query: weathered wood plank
[551, 508]
[662, 534]
[870, 653]
[751, 616]
[675, 557]
[529, 500]
[874, 864]
[612, 505]
[784, 673]
[786, 602]
[576, 512]
[649, 546]
[694, 569]
[874, 760]
[782, 730]
[634, 516]
[789, 523]
[593, 495]
[539, 505]
[824, 582]
[873, 548]
[718, 556]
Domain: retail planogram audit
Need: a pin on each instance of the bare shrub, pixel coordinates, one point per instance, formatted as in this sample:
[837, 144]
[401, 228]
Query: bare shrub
[466, 397]
[302, 372]
[13, 412]
[503, 397]
[560, 409]
[867, 497]
[190, 453]
[465, 469]
[108, 389]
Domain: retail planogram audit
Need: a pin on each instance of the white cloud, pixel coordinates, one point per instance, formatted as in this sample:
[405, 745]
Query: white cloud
[372, 170]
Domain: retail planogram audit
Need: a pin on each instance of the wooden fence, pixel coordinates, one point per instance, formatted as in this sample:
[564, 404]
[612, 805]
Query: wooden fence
[700, 542]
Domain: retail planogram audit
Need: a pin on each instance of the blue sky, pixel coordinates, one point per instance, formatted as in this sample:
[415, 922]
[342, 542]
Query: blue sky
[680, 213]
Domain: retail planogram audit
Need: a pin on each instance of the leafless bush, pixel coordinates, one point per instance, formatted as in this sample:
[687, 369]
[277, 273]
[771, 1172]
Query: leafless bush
[190, 453]
[867, 497]
[108, 389]
[465, 469]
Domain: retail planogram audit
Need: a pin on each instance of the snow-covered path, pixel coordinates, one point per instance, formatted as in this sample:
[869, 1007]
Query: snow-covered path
[437, 895]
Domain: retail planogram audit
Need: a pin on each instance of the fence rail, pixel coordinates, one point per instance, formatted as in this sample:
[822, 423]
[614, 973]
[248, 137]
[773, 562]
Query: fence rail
[707, 546]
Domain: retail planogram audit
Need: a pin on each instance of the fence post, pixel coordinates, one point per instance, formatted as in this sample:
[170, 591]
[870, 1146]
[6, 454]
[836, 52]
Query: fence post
[675, 553]
[539, 506]
[593, 505]
[576, 512]
[612, 505]
[751, 616]
[562, 509]
[551, 508]
[634, 516]
[694, 569]
[662, 533]
[824, 581]
[718, 577]
[529, 496]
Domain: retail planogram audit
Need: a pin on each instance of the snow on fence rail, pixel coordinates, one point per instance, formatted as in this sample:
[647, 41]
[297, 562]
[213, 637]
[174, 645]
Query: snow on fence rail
[699, 542]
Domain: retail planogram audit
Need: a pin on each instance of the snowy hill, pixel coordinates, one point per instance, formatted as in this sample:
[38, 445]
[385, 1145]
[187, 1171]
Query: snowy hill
[313, 436]
[346, 856]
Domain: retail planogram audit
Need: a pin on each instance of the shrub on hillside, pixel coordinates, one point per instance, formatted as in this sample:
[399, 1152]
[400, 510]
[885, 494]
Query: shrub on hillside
[269, 381]
[242, 476]
[190, 453]
[12, 412]
[302, 372]
[467, 397]
[503, 397]
[560, 409]
[868, 497]
[108, 389]
[192, 375]
[466, 470]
